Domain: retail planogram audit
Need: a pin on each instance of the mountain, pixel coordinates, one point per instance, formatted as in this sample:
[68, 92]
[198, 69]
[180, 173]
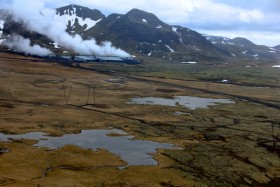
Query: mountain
[277, 47]
[243, 48]
[143, 33]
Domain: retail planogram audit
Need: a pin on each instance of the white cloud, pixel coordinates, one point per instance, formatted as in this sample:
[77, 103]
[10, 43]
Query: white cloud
[248, 16]
[187, 12]
[176, 12]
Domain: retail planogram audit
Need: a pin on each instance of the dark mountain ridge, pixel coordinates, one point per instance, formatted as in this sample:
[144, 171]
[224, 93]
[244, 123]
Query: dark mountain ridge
[142, 33]
[80, 11]
[277, 47]
[243, 48]
[79, 18]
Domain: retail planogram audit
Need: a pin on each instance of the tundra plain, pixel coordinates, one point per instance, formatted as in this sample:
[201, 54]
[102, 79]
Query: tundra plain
[225, 145]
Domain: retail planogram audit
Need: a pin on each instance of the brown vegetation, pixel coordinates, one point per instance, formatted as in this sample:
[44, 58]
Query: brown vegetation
[227, 145]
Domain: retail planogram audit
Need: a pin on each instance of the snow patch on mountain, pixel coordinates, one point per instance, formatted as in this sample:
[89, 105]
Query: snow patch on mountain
[218, 40]
[159, 27]
[144, 43]
[171, 50]
[56, 45]
[181, 40]
[210, 38]
[2, 22]
[175, 29]
[189, 62]
[71, 16]
[144, 20]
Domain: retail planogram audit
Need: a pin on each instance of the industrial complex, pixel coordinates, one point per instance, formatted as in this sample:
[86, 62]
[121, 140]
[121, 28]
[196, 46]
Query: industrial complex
[84, 59]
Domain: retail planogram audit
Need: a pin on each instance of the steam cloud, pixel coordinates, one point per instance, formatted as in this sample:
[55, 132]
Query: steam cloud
[20, 44]
[39, 19]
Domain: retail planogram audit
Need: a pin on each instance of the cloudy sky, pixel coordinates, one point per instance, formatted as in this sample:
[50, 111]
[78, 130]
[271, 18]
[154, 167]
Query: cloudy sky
[257, 20]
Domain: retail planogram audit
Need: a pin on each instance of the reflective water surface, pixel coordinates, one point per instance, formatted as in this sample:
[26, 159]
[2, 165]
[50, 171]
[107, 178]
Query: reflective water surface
[185, 101]
[134, 152]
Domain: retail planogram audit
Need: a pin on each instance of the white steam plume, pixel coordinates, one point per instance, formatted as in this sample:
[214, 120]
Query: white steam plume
[39, 19]
[20, 44]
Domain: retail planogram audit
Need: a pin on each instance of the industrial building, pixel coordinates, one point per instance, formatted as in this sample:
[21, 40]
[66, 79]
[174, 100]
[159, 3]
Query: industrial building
[109, 59]
[85, 59]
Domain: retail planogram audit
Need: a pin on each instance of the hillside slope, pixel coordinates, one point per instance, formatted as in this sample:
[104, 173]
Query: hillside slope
[243, 48]
[78, 18]
[143, 33]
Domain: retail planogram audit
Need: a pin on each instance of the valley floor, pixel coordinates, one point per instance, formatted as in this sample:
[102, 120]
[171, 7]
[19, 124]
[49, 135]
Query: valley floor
[225, 145]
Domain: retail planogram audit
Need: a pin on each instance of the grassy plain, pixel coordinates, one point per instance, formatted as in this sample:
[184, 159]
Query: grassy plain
[226, 145]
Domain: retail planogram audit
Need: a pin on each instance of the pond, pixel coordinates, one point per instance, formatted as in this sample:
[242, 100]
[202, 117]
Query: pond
[134, 152]
[184, 101]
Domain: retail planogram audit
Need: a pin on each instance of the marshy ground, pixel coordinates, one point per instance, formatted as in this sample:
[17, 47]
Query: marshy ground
[225, 145]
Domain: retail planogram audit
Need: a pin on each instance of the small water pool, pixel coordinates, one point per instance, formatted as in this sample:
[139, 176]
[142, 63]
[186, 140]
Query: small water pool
[134, 152]
[185, 101]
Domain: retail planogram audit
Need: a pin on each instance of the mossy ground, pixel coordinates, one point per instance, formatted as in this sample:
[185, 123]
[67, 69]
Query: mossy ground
[226, 145]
